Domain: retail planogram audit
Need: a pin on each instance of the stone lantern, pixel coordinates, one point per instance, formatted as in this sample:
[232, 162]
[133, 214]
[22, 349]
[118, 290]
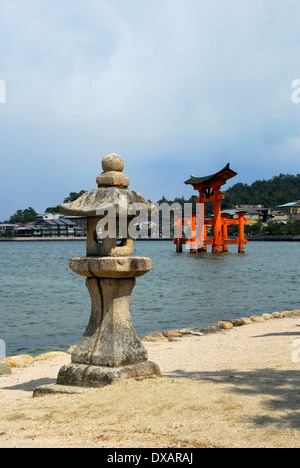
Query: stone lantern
[110, 348]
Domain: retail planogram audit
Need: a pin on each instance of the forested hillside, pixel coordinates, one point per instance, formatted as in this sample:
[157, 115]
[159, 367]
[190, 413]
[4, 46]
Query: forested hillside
[270, 193]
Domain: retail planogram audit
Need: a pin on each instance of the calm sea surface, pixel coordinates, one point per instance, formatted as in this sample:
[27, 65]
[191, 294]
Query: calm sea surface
[45, 306]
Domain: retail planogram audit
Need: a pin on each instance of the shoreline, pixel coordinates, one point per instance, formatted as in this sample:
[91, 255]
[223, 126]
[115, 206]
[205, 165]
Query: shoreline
[235, 389]
[23, 360]
[42, 239]
[286, 238]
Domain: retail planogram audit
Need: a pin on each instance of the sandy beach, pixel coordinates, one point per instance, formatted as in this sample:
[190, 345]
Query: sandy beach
[236, 388]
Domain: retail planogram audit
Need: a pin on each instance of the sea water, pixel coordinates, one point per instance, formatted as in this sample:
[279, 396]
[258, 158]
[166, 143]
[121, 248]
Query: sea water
[45, 306]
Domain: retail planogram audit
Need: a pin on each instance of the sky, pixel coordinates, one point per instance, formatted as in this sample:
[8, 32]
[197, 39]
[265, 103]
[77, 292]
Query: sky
[176, 87]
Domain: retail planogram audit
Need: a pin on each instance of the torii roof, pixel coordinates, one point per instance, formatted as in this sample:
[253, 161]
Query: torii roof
[222, 176]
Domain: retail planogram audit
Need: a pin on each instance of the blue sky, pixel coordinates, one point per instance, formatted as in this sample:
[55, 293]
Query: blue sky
[174, 86]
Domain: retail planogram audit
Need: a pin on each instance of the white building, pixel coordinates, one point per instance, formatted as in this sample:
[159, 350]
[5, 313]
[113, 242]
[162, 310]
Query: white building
[49, 216]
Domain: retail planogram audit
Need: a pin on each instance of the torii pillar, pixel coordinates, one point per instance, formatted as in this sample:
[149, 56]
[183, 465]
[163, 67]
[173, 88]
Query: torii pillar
[218, 238]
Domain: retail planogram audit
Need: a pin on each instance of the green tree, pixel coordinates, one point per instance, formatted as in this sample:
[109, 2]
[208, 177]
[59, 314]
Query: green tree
[270, 193]
[294, 228]
[74, 196]
[52, 209]
[71, 197]
[23, 216]
[254, 229]
[272, 228]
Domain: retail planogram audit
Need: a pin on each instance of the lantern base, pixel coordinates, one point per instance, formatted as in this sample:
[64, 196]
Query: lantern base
[75, 377]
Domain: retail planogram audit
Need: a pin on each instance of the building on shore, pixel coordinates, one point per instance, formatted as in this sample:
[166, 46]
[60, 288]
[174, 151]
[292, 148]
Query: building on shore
[253, 215]
[50, 228]
[292, 209]
[259, 214]
[28, 230]
[49, 216]
[280, 217]
[47, 225]
[7, 229]
[79, 221]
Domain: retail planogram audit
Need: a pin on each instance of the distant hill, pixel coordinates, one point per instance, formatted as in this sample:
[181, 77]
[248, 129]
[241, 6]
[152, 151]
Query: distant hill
[270, 193]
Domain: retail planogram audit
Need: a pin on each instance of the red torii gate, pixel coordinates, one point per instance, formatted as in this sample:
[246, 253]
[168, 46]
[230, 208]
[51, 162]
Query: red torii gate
[209, 189]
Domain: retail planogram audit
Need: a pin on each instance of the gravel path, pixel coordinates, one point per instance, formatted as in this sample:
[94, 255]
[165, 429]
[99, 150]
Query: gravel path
[236, 388]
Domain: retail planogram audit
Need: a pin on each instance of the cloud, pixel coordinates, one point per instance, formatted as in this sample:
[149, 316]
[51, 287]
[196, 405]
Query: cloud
[175, 86]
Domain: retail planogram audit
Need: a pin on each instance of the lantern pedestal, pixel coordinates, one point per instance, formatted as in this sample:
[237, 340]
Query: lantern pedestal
[110, 349]
[80, 375]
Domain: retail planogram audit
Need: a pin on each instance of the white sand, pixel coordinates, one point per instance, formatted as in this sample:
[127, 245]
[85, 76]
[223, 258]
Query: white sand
[238, 388]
